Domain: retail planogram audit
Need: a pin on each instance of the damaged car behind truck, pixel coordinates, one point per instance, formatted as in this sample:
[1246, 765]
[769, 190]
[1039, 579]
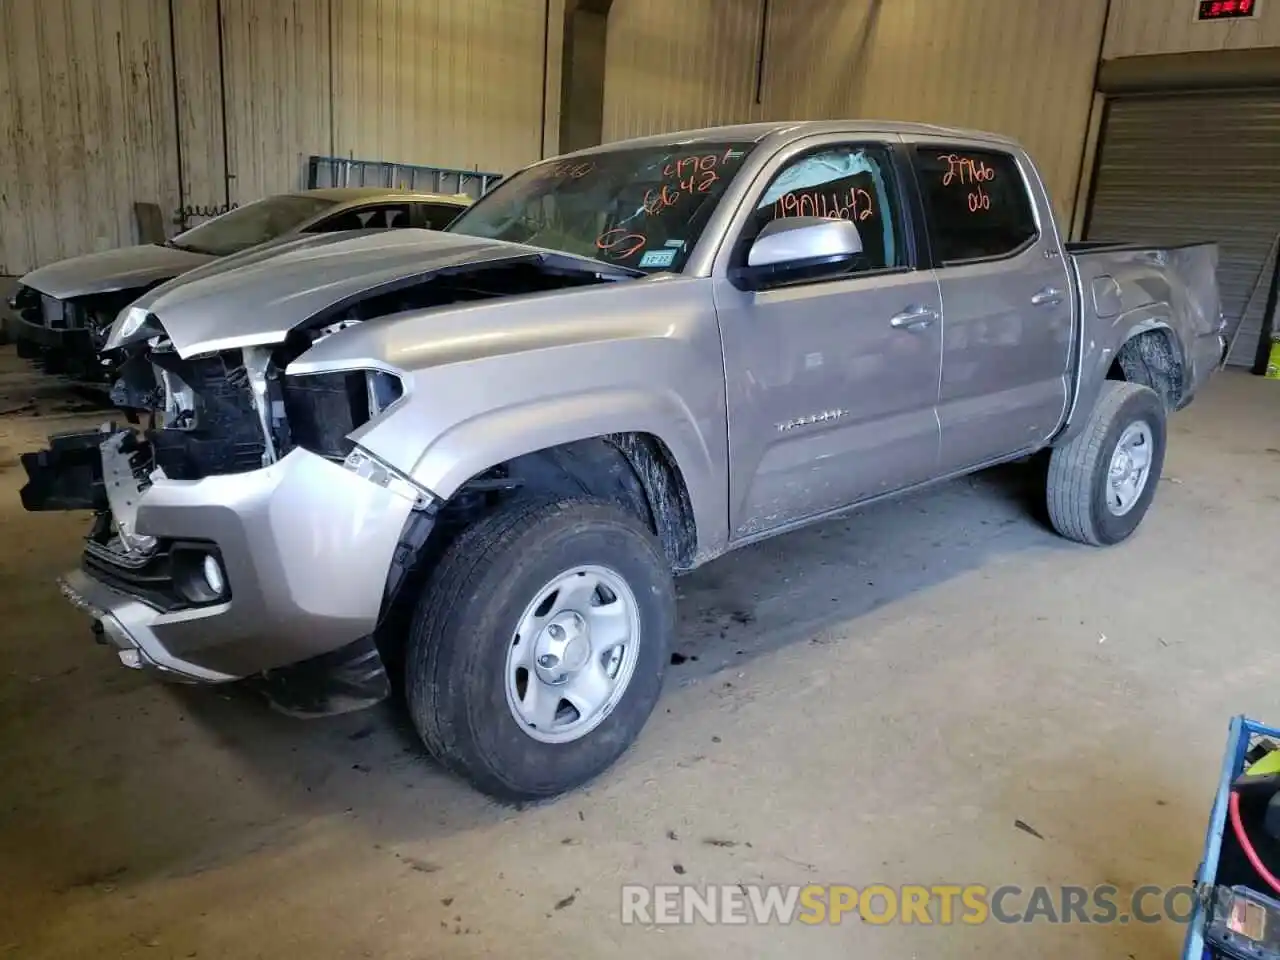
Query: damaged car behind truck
[63, 311]
[474, 460]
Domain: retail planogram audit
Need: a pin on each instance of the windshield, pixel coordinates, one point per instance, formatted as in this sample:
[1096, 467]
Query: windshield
[643, 208]
[250, 225]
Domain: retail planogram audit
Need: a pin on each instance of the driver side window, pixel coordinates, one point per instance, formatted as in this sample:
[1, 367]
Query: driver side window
[850, 181]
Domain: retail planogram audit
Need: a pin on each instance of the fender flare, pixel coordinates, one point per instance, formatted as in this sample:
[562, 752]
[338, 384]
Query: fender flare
[470, 447]
[1098, 357]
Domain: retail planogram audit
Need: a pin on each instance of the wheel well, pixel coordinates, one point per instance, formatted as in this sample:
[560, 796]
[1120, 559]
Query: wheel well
[634, 470]
[1153, 360]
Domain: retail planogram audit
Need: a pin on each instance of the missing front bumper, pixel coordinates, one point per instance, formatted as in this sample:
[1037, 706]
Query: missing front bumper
[306, 546]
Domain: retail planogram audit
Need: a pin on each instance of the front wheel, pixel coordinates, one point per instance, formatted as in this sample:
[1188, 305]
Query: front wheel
[1102, 482]
[538, 649]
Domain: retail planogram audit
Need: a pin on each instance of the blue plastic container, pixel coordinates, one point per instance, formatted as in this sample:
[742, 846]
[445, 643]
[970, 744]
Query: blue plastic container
[1241, 733]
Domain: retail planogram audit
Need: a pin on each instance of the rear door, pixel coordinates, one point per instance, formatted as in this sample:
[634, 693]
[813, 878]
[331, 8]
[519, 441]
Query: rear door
[1006, 300]
[831, 382]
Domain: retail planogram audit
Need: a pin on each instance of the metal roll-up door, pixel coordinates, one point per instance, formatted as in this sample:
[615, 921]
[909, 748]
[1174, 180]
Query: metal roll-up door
[1198, 166]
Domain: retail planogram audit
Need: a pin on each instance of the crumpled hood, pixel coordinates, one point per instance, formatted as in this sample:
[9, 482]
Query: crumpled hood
[257, 297]
[112, 270]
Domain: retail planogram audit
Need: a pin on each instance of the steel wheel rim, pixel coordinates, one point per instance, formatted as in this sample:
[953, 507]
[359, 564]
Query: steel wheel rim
[1130, 467]
[573, 654]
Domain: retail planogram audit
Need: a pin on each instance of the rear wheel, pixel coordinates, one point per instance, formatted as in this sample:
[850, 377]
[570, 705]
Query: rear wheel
[538, 649]
[1102, 482]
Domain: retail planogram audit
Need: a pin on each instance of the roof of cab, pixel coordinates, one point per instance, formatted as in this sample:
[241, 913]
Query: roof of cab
[794, 129]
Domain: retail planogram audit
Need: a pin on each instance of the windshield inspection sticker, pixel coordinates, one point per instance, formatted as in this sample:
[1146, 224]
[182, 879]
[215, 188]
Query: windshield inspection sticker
[659, 258]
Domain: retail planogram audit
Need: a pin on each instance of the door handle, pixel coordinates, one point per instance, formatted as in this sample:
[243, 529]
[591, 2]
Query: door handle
[1047, 297]
[913, 318]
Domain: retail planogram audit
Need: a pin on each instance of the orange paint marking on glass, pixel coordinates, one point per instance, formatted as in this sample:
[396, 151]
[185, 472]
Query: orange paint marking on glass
[856, 204]
[618, 244]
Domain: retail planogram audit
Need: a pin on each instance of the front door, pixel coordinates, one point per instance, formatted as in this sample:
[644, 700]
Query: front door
[1006, 303]
[831, 383]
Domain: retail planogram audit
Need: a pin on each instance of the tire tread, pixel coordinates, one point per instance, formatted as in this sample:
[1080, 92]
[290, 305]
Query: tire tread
[446, 589]
[1073, 466]
[453, 602]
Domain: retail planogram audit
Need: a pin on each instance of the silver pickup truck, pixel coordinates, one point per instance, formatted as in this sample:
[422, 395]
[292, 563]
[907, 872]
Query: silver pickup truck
[473, 460]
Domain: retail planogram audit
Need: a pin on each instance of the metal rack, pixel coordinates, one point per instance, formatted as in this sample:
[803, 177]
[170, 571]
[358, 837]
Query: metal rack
[350, 172]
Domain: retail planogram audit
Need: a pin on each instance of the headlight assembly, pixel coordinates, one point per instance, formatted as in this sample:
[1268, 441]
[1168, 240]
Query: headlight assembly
[131, 325]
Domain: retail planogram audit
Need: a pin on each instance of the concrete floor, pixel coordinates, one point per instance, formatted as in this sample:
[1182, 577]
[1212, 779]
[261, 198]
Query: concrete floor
[868, 701]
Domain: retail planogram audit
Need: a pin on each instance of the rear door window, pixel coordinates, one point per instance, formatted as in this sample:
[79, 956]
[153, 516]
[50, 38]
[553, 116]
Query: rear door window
[976, 203]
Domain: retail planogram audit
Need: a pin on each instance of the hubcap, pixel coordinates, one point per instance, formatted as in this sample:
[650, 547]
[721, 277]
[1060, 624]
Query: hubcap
[1130, 467]
[573, 654]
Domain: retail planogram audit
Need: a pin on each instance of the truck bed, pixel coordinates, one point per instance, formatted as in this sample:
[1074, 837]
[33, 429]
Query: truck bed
[1099, 246]
[1128, 288]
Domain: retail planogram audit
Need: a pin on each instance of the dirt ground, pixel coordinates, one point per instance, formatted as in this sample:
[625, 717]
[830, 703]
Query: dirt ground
[876, 700]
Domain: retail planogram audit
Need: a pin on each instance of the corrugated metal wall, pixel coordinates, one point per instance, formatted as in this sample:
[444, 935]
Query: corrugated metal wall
[1024, 69]
[86, 124]
[89, 123]
[276, 69]
[677, 64]
[199, 108]
[1142, 27]
[458, 82]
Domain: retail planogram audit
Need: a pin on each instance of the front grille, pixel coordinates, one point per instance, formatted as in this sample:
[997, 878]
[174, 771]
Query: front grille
[149, 579]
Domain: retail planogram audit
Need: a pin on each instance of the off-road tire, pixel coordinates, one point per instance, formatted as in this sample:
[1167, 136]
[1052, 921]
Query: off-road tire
[1077, 479]
[465, 622]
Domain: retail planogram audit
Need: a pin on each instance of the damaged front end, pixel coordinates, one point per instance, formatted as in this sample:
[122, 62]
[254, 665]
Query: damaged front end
[239, 410]
[64, 336]
[198, 561]
[240, 530]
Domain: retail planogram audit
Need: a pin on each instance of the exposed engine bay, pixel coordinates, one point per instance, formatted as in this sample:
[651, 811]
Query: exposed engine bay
[160, 547]
[239, 410]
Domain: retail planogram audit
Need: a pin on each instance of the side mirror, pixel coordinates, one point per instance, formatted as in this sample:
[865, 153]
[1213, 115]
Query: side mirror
[799, 248]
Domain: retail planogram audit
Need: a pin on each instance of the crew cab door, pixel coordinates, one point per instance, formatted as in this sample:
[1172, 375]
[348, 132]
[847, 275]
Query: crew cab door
[831, 381]
[1006, 300]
